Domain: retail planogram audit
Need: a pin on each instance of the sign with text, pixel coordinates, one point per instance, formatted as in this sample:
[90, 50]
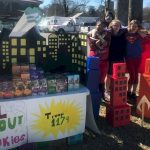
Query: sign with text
[56, 117]
[13, 130]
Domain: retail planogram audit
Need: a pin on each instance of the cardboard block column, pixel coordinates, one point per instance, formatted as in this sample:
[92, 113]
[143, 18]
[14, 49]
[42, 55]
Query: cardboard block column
[93, 74]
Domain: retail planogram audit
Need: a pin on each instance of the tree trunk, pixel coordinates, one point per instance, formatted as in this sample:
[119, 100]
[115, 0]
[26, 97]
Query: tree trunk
[136, 10]
[65, 8]
[122, 11]
[128, 10]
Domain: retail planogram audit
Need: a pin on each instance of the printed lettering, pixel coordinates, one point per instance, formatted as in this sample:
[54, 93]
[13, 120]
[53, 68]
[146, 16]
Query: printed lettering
[16, 139]
[22, 137]
[11, 125]
[47, 115]
[20, 119]
[2, 125]
[5, 142]
[12, 141]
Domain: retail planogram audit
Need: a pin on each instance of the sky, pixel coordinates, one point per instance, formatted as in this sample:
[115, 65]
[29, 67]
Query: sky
[95, 2]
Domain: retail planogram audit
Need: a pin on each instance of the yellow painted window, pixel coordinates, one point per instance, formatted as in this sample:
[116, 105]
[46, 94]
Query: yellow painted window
[23, 42]
[14, 42]
[32, 59]
[38, 42]
[44, 48]
[44, 42]
[31, 51]
[14, 51]
[4, 66]
[39, 49]
[14, 60]
[44, 55]
[23, 51]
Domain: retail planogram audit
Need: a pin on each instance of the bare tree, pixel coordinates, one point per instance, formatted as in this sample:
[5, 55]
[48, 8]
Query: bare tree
[67, 7]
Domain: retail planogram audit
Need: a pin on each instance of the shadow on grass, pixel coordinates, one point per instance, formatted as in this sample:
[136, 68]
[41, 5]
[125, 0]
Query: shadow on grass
[129, 137]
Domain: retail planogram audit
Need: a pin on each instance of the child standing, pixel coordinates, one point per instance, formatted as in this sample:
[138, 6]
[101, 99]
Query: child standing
[117, 49]
[133, 56]
[99, 41]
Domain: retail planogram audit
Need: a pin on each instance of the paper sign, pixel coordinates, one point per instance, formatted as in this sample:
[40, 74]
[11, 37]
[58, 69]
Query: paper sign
[13, 130]
[56, 117]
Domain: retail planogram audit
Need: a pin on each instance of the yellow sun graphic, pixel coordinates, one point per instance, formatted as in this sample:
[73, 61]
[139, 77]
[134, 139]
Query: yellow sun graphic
[57, 117]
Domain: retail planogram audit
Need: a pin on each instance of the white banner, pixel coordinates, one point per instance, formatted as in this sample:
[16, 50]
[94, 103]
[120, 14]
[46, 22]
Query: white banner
[13, 130]
[56, 117]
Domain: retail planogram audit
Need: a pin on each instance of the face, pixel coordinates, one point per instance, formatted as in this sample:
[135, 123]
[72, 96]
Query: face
[115, 27]
[134, 28]
[99, 27]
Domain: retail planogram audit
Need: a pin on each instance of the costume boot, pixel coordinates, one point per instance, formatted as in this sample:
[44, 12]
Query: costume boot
[129, 93]
[134, 96]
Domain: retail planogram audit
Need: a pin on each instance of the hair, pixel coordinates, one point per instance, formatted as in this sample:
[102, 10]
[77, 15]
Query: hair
[114, 21]
[100, 23]
[134, 22]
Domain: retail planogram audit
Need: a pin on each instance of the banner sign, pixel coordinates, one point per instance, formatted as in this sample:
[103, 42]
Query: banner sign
[56, 117]
[13, 130]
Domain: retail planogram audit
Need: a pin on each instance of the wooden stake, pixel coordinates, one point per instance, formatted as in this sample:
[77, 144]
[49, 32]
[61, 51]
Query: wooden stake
[143, 110]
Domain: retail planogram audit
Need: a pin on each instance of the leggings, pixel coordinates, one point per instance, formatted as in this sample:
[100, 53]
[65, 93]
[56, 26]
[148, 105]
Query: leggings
[133, 69]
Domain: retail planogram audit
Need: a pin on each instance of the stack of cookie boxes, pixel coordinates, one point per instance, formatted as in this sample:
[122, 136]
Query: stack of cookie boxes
[118, 111]
[144, 91]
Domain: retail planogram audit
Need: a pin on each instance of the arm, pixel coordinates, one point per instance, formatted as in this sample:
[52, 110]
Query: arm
[143, 33]
[91, 39]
